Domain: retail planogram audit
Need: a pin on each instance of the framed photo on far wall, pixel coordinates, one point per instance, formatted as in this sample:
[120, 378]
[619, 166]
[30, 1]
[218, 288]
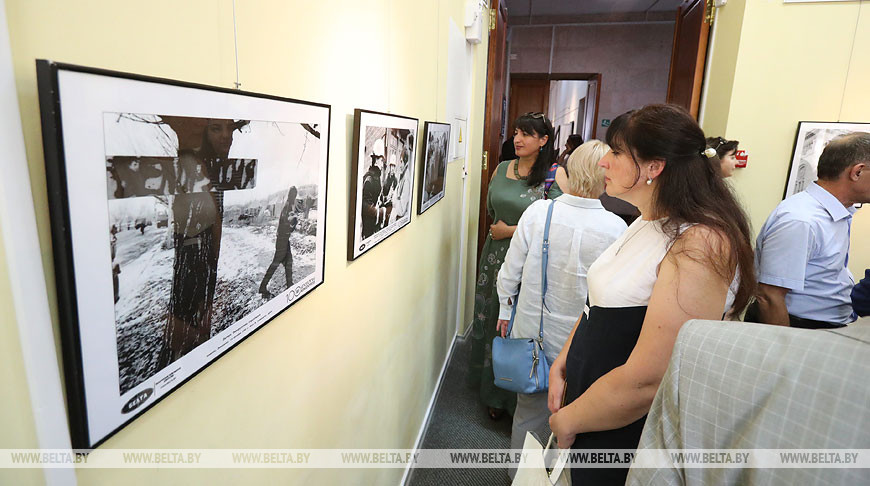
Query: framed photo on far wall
[436, 143]
[566, 129]
[184, 218]
[382, 180]
[810, 141]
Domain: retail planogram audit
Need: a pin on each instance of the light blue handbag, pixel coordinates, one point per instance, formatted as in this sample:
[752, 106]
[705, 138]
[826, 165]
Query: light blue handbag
[519, 364]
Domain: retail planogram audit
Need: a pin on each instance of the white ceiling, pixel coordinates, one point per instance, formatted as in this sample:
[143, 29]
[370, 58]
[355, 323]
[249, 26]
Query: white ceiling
[582, 7]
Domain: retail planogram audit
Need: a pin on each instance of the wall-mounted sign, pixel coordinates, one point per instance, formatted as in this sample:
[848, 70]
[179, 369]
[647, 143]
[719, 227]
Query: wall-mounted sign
[742, 158]
[459, 134]
[605, 122]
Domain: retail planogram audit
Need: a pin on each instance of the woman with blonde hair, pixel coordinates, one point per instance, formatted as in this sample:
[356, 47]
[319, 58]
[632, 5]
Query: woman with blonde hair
[580, 230]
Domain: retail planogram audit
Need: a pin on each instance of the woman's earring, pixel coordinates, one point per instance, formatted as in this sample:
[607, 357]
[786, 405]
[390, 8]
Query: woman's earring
[649, 181]
[540, 149]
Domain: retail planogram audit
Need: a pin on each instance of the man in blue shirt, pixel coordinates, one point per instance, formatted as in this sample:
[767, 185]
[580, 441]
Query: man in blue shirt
[802, 251]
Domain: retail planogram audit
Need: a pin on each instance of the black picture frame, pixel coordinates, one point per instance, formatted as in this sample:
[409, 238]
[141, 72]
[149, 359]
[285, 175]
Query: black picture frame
[375, 214]
[436, 148]
[89, 114]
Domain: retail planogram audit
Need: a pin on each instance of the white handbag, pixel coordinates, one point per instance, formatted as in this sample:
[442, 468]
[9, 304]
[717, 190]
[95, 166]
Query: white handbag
[533, 471]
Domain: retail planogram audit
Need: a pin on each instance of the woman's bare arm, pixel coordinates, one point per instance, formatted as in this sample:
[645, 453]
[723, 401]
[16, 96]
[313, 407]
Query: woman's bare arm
[687, 288]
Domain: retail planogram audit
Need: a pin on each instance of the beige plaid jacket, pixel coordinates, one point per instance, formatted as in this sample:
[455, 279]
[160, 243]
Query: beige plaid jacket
[734, 385]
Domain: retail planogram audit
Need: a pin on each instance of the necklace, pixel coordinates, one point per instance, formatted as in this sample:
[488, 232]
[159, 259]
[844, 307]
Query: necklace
[641, 228]
[517, 171]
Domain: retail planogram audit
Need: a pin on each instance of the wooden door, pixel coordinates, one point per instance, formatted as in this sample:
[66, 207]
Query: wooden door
[593, 96]
[528, 95]
[689, 54]
[496, 75]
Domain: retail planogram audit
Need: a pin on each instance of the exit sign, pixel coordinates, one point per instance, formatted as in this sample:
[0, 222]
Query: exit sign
[605, 122]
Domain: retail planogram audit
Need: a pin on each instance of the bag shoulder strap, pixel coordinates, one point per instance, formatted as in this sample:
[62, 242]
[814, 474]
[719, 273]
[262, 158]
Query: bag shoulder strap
[545, 250]
[545, 257]
[550, 179]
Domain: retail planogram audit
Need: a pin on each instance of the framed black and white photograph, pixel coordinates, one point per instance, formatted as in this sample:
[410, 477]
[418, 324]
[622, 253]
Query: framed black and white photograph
[184, 218]
[382, 178]
[810, 141]
[436, 143]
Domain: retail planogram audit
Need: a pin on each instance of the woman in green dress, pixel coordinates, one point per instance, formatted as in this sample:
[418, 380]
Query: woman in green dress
[514, 186]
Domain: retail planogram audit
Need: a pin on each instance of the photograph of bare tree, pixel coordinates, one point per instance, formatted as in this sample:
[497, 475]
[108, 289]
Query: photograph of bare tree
[199, 255]
[179, 228]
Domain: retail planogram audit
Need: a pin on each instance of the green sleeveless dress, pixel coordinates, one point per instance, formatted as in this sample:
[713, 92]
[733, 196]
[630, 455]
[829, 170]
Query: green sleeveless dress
[505, 201]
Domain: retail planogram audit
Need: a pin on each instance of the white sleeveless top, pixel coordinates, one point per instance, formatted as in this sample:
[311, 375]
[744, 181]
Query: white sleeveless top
[624, 275]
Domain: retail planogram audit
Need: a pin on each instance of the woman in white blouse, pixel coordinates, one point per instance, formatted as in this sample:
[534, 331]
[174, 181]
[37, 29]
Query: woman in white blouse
[580, 230]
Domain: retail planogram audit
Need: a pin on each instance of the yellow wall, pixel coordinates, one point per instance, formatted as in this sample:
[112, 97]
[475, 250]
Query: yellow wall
[16, 417]
[774, 65]
[345, 366]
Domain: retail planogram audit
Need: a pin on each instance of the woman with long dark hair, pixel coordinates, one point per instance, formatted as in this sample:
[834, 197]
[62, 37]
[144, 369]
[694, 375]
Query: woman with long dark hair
[687, 257]
[726, 154]
[514, 186]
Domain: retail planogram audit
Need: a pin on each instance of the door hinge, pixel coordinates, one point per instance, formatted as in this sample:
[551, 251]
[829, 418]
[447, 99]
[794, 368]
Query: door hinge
[710, 15]
[493, 16]
[485, 160]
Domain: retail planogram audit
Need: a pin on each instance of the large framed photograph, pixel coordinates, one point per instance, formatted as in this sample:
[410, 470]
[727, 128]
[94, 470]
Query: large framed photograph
[382, 178]
[184, 218]
[810, 141]
[436, 143]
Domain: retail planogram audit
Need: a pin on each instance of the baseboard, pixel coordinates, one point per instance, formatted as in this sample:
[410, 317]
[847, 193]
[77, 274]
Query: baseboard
[428, 416]
[467, 332]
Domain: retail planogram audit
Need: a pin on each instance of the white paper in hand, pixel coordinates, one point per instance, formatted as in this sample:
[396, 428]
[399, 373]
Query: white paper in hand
[533, 472]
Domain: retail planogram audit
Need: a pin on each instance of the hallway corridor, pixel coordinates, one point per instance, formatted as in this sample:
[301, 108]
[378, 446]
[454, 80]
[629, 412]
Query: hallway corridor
[459, 421]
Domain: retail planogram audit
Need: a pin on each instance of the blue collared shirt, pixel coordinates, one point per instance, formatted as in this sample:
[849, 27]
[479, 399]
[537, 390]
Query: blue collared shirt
[804, 247]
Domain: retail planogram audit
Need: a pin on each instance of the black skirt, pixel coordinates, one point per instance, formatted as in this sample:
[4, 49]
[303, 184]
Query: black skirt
[604, 341]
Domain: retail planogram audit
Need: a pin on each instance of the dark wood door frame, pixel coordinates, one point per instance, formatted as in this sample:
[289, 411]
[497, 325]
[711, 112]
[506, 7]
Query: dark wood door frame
[689, 54]
[496, 79]
[597, 80]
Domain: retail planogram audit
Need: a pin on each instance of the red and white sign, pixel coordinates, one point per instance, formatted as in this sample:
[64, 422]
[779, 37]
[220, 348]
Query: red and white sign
[742, 158]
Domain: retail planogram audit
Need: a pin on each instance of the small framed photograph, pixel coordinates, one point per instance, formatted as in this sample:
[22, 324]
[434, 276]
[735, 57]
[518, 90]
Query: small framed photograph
[382, 178]
[184, 218]
[810, 141]
[563, 131]
[436, 143]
